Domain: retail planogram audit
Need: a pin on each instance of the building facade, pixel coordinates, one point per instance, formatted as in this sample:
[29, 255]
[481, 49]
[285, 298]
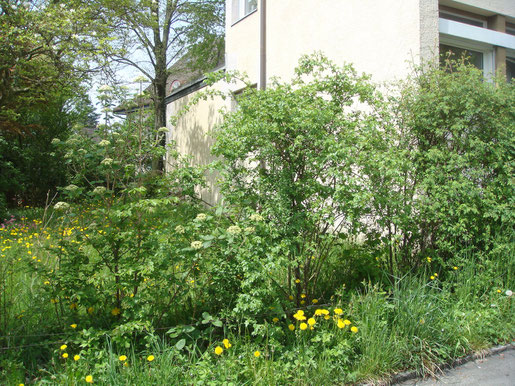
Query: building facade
[266, 38]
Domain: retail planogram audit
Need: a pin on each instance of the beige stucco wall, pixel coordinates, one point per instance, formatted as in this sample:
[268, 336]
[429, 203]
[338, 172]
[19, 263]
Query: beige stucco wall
[379, 37]
[191, 135]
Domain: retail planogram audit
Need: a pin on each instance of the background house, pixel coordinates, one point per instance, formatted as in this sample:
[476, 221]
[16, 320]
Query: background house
[383, 38]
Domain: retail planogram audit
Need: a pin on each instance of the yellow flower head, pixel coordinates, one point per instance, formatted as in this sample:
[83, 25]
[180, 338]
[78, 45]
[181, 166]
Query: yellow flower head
[257, 354]
[302, 301]
[226, 343]
[89, 379]
[74, 325]
[314, 301]
[312, 321]
[338, 311]
[115, 311]
[347, 322]
[90, 310]
[354, 329]
[327, 317]
[428, 259]
[65, 355]
[291, 327]
[76, 357]
[122, 357]
[150, 358]
[290, 297]
[218, 350]
[302, 296]
[303, 326]
[432, 277]
[297, 281]
[64, 347]
[436, 275]
[299, 315]
[275, 320]
[340, 323]
[499, 291]
[455, 268]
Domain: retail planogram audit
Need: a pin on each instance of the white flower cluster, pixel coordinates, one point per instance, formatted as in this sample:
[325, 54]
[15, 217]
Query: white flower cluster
[234, 230]
[201, 217]
[196, 244]
[256, 217]
[104, 143]
[99, 190]
[55, 141]
[71, 188]
[107, 161]
[179, 229]
[61, 205]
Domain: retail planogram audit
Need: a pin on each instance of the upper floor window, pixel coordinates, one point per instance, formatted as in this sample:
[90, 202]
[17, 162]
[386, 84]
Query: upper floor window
[242, 8]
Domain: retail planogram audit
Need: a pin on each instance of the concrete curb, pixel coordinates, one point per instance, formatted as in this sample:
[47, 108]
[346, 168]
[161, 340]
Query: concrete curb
[409, 375]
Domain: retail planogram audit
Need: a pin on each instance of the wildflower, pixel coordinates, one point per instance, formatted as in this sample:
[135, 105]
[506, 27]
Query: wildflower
[234, 230]
[455, 268]
[76, 357]
[297, 281]
[428, 259]
[299, 315]
[196, 244]
[55, 141]
[327, 317]
[290, 297]
[302, 296]
[71, 188]
[303, 326]
[226, 343]
[432, 277]
[99, 190]
[150, 358]
[257, 354]
[122, 358]
[106, 162]
[65, 355]
[347, 322]
[115, 311]
[46, 282]
[90, 310]
[64, 347]
[179, 229]
[436, 275]
[74, 325]
[218, 350]
[62, 206]
[509, 293]
[314, 301]
[291, 327]
[338, 311]
[256, 217]
[275, 320]
[104, 143]
[201, 217]
[89, 379]
[499, 291]
[354, 329]
[250, 229]
[302, 301]
[312, 321]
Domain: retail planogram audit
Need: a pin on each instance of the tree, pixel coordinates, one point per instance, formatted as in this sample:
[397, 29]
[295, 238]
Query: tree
[160, 32]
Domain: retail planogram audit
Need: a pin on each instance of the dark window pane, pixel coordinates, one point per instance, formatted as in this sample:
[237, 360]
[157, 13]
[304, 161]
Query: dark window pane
[461, 19]
[510, 69]
[473, 57]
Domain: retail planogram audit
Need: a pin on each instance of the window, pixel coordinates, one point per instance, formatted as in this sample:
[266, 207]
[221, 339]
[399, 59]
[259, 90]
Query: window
[242, 8]
[463, 19]
[510, 69]
[473, 57]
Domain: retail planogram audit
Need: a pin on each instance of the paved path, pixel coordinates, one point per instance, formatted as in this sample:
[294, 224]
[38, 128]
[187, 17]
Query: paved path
[495, 370]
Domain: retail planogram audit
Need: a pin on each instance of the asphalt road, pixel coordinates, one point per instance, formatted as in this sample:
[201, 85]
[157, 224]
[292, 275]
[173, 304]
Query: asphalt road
[495, 370]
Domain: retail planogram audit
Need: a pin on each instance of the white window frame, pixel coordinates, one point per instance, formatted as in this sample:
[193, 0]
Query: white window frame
[238, 10]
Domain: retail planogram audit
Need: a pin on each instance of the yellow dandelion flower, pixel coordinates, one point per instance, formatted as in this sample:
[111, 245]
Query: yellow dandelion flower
[312, 321]
[299, 315]
[275, 320]
[89, 379]
[76, 357]
[297, 281]
[74, 325]
[115, 311]
[314, 301]
[257, 354]
[347, 322]
[340, 323]
[354, 329]
[499, 291]
[64, 347]
[327, 317]
[290, 297]
[218, 350]
[455, 268]
[436, 275]
[291, 327]
[338, 311]
[65, 355]
[122, 358]
[432, 277]
[428, 259]
[302, 301]
[226, 343]
[302, 296]
[303, 326]
[150, 358]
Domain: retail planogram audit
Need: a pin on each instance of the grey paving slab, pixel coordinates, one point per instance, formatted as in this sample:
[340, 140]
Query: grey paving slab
[495, 370]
